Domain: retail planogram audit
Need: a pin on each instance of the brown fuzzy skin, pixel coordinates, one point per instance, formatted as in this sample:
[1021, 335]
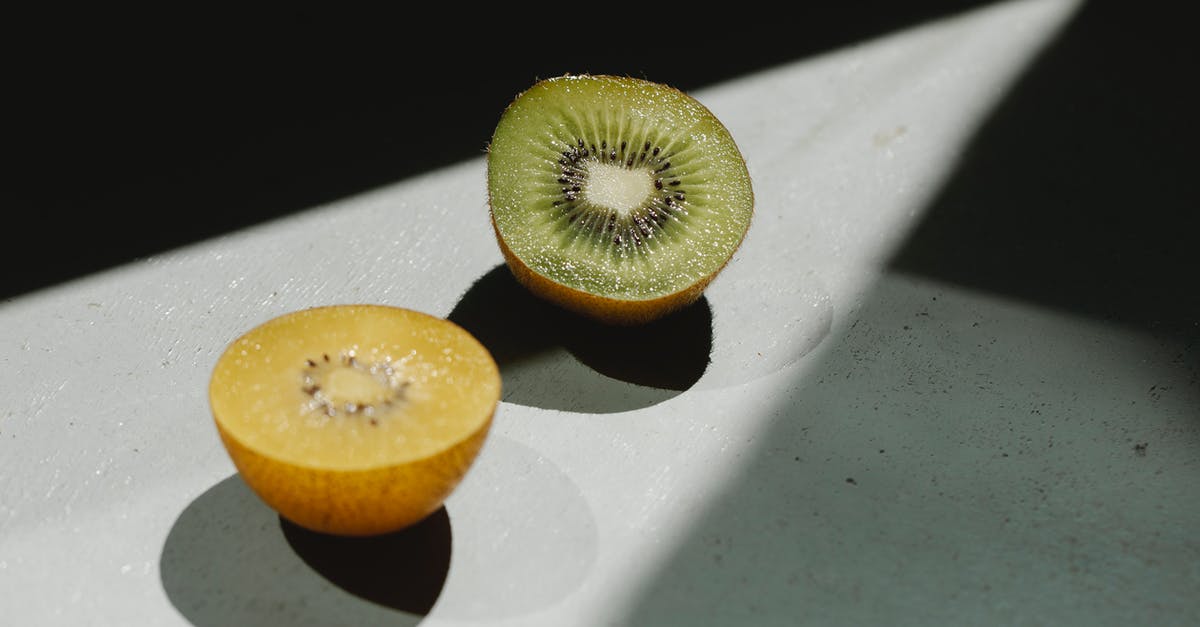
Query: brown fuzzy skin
[365, 502]
[606, 310]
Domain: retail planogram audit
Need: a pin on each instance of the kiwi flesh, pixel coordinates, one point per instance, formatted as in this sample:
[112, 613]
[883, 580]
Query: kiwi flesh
[618, 198]
[354, 419]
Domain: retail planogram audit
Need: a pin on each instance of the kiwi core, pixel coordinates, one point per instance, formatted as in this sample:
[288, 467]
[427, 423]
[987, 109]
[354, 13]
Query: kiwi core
[352, 384]
[617, 188]
[346, 385]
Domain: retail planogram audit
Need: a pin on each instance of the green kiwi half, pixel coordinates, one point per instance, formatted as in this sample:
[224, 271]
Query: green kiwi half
[616, 197]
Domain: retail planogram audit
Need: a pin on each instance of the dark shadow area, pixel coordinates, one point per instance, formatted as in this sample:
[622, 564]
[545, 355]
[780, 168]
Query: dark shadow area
[952, 462]
[983, 455]
[404, 570]
[228, 560]
[670, 354]
[131, 133]
[1079, 192]
[552, 358]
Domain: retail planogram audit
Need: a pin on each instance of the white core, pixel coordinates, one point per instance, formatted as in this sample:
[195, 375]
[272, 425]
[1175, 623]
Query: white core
[617, 188]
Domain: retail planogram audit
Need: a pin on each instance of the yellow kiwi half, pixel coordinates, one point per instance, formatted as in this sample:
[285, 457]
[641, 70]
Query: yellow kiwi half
[354, 419]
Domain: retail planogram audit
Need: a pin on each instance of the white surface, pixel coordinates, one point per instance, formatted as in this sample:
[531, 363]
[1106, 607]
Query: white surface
[1017, 499]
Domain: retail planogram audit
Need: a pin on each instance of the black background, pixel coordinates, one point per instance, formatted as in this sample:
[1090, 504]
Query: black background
[138, 132]
[134, 133]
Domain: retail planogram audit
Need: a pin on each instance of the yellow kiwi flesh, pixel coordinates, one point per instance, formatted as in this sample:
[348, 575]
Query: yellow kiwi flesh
[354, 419]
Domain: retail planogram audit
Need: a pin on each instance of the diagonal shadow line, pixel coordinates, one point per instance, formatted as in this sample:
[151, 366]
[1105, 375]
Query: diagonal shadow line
[948, 459]
[1079, 198]
[133, 141]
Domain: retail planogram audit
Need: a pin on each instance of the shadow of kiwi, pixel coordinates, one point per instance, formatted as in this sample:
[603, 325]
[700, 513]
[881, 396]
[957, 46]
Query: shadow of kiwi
[231, 560]
[554, 359]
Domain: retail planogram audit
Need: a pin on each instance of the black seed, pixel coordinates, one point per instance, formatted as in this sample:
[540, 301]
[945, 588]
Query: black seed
[674, 182]
[311, 363]
[678, 195]
[584, 152]
[613, 156]
[647, 146]
[594, 148]
[573, 217]
[622, 146]
[629, 162]
[603, 144]
[562, 179]
[580, 142]
[655, 153]
[564, 162]
[617, 240]
[575, 188]
[665, 165]
[556, 203]
[657, 183]
[326, 356]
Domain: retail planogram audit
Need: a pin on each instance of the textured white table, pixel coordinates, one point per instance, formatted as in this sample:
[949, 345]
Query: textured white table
[865, 447]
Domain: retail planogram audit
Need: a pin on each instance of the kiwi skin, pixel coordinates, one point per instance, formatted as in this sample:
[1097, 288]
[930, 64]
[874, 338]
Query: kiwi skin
[348, 503]
[612, 311]
[607, 310]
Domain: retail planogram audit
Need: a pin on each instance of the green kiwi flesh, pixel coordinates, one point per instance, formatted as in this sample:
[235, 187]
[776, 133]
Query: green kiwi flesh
[617, 187]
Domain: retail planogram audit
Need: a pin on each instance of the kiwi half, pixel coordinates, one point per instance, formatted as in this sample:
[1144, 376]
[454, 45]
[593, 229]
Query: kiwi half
[354, 419]
[617, 198]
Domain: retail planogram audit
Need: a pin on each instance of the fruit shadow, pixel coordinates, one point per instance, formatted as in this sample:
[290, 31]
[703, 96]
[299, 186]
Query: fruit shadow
[554, 359]
[231, 560]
